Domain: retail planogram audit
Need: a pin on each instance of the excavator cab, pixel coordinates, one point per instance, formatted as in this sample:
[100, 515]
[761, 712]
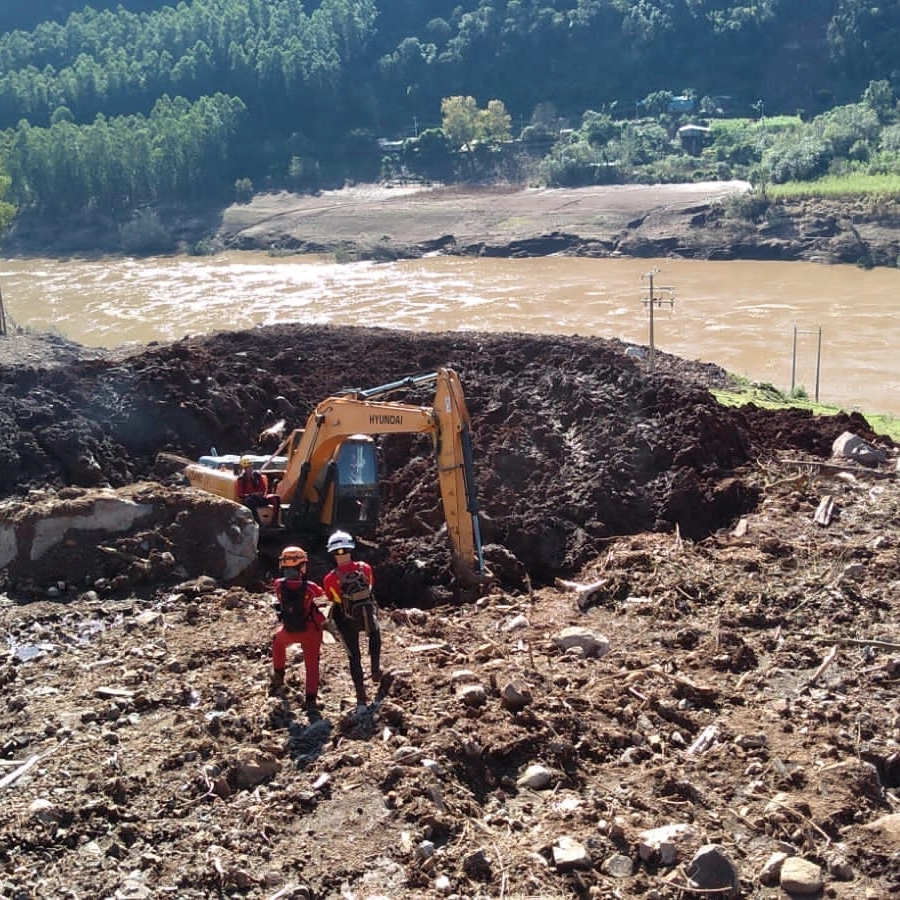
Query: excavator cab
[345, 495]
[356, 496]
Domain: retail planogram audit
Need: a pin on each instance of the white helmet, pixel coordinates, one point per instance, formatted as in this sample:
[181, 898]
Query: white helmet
[340, 540]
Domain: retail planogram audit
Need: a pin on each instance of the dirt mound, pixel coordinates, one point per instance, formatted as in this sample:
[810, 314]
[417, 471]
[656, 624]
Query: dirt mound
[725, 671]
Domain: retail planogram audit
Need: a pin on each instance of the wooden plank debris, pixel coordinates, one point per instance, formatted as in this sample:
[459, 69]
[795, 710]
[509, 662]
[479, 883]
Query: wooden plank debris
[825, 510]
[830, 657]
[29, 764]
[703, 741]
[13, 776]
[837, 467]
[862, 642]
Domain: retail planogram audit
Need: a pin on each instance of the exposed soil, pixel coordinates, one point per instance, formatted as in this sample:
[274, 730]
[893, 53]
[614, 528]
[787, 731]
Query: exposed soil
[747, 698]
[703, 220]
[378, 222]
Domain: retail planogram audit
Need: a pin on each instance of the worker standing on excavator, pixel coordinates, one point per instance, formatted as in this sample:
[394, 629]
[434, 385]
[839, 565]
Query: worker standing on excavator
[301, 623]
[349, 586]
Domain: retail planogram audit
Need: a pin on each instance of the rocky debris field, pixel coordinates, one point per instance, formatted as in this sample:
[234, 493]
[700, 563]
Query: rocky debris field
[680, 683]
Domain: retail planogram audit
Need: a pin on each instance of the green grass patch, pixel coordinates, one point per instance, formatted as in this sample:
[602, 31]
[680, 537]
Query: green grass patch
[838, 187]
[742, 125]
[766, 396]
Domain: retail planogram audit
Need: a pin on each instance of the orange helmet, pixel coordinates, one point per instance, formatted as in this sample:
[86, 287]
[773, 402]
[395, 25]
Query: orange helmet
[291, 557]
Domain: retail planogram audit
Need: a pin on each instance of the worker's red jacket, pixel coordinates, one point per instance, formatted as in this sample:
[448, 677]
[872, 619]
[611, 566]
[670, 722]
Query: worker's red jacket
[252, 482]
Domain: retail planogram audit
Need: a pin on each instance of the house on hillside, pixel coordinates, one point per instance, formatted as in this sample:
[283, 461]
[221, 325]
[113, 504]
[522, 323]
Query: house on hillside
[682, 104]
[693, 138]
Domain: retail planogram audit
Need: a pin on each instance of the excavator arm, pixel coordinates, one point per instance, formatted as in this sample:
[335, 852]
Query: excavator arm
[310, 449]
[456, 471]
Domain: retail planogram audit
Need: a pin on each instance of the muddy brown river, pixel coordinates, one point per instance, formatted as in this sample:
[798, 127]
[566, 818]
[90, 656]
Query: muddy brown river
[831, 329]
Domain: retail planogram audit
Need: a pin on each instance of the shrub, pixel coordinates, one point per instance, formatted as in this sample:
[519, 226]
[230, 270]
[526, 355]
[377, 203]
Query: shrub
[798, 160]
[208, 246]
[243, 190]
[145, 234]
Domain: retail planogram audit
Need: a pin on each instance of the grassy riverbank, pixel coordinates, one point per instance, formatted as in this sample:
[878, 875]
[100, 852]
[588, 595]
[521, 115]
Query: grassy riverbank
[768, 397]
[855, 187]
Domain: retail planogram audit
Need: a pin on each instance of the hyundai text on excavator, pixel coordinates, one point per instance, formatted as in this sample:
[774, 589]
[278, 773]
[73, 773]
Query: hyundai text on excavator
[325, 475]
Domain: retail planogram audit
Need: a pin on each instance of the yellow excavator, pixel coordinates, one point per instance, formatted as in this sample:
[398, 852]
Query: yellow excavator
[325, 476]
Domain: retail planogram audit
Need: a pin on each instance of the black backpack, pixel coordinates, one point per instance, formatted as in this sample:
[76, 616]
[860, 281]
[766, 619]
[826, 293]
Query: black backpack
[357, 601]
[294, 608]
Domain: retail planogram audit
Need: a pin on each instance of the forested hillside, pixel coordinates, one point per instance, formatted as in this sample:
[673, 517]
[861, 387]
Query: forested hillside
[116, 106]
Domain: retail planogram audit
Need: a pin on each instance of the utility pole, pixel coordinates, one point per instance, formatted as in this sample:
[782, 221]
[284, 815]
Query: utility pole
[818, 333]
[651, 302]
[2, 317]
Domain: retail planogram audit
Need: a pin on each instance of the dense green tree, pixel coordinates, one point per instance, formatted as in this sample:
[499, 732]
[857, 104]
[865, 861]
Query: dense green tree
[464, 123]
[114, 103]
[797, 160]
[460, 120]
[430, 154]
[7, 209]
[573, 162]
[890, 138]
[599, 128]
[879, 96]
[845, 126]
[179, 152]
[641, 142]
[657, 103]
[494, 122]
[863, 38]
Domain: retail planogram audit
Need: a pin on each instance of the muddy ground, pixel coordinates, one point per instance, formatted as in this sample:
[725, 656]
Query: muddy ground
[734, 681]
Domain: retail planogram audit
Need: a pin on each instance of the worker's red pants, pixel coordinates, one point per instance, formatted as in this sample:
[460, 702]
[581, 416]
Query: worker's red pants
[311, 642]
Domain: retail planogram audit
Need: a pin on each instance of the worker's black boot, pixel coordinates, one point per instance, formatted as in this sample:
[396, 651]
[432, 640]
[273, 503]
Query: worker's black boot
[276, 682]
[312, 708]
[361, 699]
[385, 682]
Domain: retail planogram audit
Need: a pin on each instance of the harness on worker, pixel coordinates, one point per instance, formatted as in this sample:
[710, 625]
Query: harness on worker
[294, 606]
[357, 601]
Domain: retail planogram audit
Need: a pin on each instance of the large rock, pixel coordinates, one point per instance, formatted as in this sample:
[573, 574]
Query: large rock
[140, 533]
[852, 446]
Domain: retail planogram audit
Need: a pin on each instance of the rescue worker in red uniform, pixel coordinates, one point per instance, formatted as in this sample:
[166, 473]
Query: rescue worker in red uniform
[301, 623]
[349, 586]
[252, 487]
[253, 491]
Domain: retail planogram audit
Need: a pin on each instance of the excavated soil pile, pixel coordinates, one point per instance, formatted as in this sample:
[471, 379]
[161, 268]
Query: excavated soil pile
[574, 443]
[731, 681]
